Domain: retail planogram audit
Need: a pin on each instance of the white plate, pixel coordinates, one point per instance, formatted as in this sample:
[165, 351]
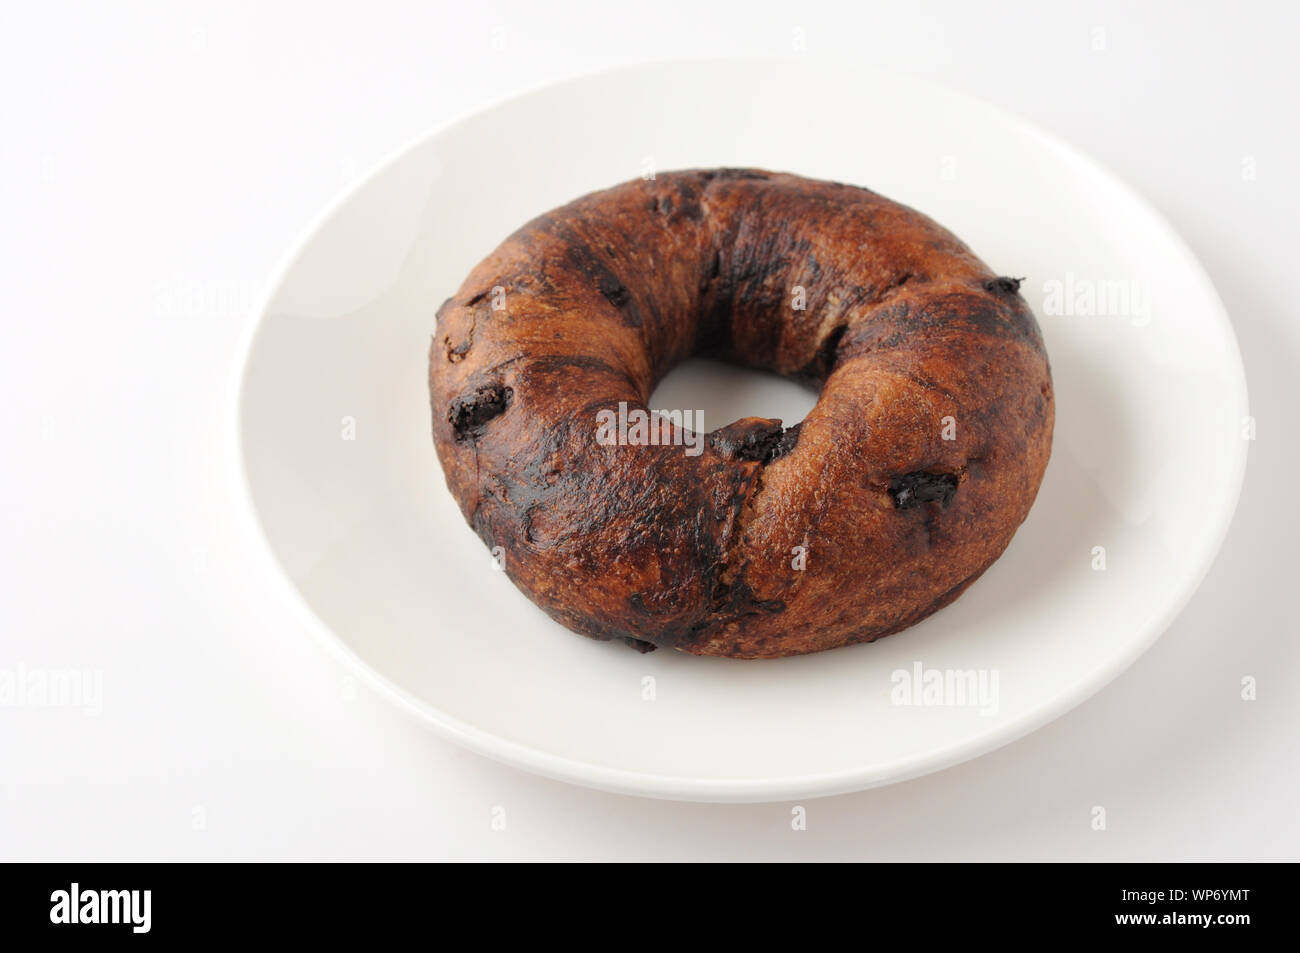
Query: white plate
[1148, 457]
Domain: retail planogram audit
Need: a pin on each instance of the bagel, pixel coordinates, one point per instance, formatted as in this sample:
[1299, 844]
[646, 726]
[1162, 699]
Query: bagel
[904, 483]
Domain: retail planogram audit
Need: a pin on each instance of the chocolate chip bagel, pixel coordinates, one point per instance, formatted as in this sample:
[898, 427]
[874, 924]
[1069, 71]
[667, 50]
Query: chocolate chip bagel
[906, 481]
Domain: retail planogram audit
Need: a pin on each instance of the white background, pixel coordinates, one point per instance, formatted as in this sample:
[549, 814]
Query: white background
[156, 160]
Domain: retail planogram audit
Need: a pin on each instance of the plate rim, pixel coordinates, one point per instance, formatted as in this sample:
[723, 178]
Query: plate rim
[683, 788]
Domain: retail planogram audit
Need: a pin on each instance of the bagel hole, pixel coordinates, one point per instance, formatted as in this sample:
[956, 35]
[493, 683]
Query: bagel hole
[726, 393]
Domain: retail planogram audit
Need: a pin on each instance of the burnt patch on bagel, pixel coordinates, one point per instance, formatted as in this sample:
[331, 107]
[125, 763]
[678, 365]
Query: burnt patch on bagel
[997, 317]
[713, 336]
[615, 291]
[688, 202]
[913, 489]
[812, 264]
[743, 601]
[823, 362]
[734, 600]
[552, 376]
[1012, 317]
[710, 276]
[752, 288]
[922, 381]
[733, 174]
[563, 362]
[467, 415]
[589, 263]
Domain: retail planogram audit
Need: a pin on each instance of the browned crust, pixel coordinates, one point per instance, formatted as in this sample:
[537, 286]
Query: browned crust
[903, 327]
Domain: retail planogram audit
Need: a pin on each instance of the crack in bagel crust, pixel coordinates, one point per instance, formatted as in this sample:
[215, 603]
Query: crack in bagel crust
[907, 480]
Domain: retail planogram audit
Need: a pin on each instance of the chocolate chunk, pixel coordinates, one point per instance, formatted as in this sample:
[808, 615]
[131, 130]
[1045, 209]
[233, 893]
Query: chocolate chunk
[754, 438]
[467, 415]
[1003, 285]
